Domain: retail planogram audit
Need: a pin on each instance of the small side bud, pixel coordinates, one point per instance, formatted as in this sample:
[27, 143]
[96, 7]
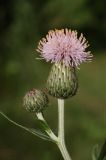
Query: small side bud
[62, 81]
[35, 101]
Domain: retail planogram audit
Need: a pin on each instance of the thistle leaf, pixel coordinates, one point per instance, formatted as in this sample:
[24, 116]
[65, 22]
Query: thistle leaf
[95, 152]
[44, 125]
[102, 154]
[37, 132]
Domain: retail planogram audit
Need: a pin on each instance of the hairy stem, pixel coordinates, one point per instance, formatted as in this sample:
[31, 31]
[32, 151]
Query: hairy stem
[47, 129]
[61, 139]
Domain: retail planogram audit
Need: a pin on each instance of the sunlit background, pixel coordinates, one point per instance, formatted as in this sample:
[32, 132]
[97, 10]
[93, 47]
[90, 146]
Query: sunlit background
[22, 24]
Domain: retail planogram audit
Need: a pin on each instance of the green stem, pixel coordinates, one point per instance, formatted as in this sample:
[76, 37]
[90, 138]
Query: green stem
[47, 128]
[61, 120]
[61, 139]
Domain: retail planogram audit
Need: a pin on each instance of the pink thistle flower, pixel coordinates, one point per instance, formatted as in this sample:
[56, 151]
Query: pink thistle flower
[64, 46]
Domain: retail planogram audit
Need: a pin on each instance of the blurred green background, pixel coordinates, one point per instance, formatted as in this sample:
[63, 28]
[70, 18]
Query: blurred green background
[22, 24]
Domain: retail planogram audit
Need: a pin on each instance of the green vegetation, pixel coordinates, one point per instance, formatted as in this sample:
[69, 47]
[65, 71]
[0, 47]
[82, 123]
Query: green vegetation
[23, 23]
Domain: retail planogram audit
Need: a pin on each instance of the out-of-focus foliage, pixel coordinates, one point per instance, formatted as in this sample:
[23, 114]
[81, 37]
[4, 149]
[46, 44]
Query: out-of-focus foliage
[22, 24]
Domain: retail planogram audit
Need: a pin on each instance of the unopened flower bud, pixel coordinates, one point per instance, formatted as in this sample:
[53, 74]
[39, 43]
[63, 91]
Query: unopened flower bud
[62, 81]
[35, 101]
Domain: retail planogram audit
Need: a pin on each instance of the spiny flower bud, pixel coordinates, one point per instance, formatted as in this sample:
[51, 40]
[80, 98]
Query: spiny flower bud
[35, 101]
[62, 81]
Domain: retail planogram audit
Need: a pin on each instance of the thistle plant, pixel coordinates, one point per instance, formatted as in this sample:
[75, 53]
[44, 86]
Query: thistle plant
[66, 51]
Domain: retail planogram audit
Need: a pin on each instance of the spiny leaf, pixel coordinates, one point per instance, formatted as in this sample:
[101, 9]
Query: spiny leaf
[44, 125]
[36, 132]
[95, 152]
[102, 154]
[40, 134]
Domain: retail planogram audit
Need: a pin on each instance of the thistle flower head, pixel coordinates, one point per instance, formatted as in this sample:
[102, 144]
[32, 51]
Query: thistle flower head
[62, 81]
[64, 46]
[35, 101]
